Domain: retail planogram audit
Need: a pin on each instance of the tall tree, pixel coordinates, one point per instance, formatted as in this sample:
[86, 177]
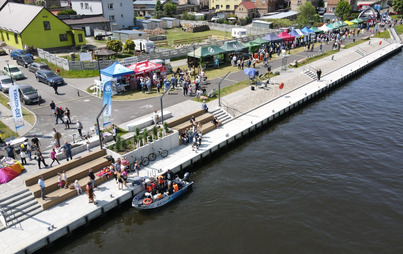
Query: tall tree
[343, 10]
[307, 14]
[398, 6]
[321, 3]
[169, 9]
[158, 6]
[114, 45]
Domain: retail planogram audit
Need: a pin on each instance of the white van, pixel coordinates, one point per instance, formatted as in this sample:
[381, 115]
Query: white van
[239, 32]
[144, 45]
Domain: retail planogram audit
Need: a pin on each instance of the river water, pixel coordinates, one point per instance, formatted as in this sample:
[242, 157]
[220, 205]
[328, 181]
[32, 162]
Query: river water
[326, 179]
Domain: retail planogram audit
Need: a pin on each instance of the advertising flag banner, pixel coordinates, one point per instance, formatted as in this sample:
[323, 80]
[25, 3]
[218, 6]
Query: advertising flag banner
[107, 99]
[15, 105]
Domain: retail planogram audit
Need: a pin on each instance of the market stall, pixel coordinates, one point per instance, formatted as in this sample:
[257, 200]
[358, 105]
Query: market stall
[116, 73]
[208, 55]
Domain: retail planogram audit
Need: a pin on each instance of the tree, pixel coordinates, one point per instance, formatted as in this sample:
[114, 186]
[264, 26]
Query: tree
[321, 3]
[398, 6]
[169, 9]
[343, 10]
[158, 6]
[306, 14]
[67, 12]
[114, 45]
[129, 46]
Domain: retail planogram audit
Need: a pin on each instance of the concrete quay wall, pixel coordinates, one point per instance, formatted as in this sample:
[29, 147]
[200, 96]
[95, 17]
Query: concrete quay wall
[75, 213]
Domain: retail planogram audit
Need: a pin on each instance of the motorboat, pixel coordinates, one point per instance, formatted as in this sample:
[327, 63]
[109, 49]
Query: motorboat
[146, 201]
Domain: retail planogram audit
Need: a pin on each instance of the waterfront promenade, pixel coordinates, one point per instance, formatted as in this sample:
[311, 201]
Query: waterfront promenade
[249, 108]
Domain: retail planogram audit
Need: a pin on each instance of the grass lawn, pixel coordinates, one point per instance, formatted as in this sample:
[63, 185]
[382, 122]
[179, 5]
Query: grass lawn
[28, 116]
[70, 74]
[399, 29]
[227, 90]
[385, 34]
[178, 34]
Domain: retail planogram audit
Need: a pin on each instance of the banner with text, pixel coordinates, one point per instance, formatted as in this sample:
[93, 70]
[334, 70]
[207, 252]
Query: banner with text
[107, 99]
[16, 106]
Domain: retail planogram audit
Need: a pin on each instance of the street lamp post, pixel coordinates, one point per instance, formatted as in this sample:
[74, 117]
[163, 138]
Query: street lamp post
[194, 61]
[11, 76]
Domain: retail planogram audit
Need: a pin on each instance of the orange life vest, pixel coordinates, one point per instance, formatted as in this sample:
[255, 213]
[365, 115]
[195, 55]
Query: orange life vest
[176, 187]
[160, 179]
[149, 188]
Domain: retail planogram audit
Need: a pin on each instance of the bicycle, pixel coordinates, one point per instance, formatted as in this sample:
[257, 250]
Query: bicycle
[144, 161]
[152, 156]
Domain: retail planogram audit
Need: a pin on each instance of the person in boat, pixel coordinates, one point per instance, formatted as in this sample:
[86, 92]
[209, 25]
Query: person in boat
[157, 196]
[170, 175]
[175, 187]
[170, 189]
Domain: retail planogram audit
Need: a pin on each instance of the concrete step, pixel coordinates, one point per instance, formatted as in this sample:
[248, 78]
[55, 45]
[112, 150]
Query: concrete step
[23, 217]
[16, 203]
[20, 215]
[6, 200]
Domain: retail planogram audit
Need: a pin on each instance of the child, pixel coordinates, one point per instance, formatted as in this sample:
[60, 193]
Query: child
[78, 188]
[64, 178]
[59, 180]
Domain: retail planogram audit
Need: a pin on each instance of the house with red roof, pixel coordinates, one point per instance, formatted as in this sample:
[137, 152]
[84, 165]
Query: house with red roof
[246, 9]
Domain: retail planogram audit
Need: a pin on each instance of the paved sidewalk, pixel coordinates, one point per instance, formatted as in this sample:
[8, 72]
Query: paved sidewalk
[6, 117]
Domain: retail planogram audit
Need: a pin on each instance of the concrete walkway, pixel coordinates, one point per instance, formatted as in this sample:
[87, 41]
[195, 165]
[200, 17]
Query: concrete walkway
[6, 117]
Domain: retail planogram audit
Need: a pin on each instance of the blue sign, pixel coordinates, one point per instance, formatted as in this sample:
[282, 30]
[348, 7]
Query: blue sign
[16, 106]
[107, 100]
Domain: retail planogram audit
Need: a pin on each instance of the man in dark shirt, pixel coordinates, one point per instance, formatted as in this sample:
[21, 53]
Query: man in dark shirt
[10, 151]
[53, 107]
[92, 177]
[59, 114]
[36, 143]
[67, 150]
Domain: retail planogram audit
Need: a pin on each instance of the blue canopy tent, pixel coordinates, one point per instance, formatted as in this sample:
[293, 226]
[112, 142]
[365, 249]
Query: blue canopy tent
[272, 37]
[116, 70]
[308, 32]
[295, 34]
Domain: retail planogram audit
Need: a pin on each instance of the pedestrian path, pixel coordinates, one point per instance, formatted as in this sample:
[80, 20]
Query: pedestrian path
[7, 118]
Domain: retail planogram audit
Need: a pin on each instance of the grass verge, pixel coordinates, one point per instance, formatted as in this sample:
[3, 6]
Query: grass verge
[28, 116]
[134, 95]
[70, 74]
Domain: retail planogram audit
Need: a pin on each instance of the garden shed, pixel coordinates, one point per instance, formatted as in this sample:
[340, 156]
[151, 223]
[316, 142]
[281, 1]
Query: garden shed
[124, 35]
[171, 22]
[159, 23]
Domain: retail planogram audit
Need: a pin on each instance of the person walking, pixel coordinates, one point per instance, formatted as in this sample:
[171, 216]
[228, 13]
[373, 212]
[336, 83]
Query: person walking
[28, 148]
[114, 132]
[66, 121]
[67, 112]
[92, 177]
[53, 107]
[39, 157]
[67, 150]
[90, 193]
[55, 88]
[79, 128]
[36, 143]
[318, 73]
[41, 184]
[59, 115]
[10, 151]
[53, 157]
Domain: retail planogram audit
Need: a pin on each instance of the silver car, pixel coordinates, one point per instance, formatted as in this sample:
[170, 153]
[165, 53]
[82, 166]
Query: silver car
[5, 83]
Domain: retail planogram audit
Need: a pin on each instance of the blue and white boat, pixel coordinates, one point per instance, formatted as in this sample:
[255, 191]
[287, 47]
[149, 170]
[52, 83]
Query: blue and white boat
[143, 201]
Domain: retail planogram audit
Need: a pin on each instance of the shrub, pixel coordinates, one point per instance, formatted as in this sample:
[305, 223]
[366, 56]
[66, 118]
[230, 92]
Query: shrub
[137, 131]
[145, 134]
[118, 143]
[166, 127]
[124, 144]
[155, 132]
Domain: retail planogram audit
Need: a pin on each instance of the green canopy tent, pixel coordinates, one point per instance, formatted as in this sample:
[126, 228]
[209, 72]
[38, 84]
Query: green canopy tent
[260, 41]
[251, 45]
[356, 21]
[206, 54]
[232, 46]
[316, 30]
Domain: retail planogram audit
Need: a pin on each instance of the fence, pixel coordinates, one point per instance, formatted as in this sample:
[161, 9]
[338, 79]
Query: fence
[228, 28]
[161, 54]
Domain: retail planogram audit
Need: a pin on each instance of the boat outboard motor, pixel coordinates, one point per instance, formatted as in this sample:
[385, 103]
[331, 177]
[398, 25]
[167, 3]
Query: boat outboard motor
[186, 177]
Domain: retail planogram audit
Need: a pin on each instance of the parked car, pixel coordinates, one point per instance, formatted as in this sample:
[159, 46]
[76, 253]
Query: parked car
[38, 66]
[28, 94]
[49, 77]
[24, 60]
[13, 72]
[2, 51]
[5, 83]
[19, 52]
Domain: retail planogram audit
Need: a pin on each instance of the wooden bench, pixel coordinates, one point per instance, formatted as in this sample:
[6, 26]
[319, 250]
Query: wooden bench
[73, 174]
[184, 118]
[60, 195]
[205, 118]
[33, 180]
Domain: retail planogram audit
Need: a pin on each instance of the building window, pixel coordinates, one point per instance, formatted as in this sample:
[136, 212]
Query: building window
[112, 18]
[227, 7]
[82, 5]
[80, 38]
[217, 6]
[121, 4]
[46, 25]
[16, 38]
[235, 6]
[87, 6]
[63, 37]
[8, 38]
[121, 15]
[110, 6]
[221, 6]
[299, 2]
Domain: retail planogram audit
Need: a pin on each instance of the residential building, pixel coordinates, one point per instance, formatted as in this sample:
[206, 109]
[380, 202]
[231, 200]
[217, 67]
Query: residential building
[265, 6]
[119, 12]
[246, 10]
[224, 5]
[87, 23]
[31, 25]
[295, 4]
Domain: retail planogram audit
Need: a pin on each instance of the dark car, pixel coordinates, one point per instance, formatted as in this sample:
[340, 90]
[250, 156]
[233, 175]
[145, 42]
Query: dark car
[2, 51]
[49, 77]
[38, 66]
[19, 52]
[28, 94]
[24, 60]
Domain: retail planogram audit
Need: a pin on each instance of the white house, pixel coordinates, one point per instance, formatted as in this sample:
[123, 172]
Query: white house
[119, 12]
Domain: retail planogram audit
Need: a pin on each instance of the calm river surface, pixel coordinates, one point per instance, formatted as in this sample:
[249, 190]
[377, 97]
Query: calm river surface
[327, 179]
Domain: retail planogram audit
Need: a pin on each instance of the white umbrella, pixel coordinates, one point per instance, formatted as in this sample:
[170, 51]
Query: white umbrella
[325, 28]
